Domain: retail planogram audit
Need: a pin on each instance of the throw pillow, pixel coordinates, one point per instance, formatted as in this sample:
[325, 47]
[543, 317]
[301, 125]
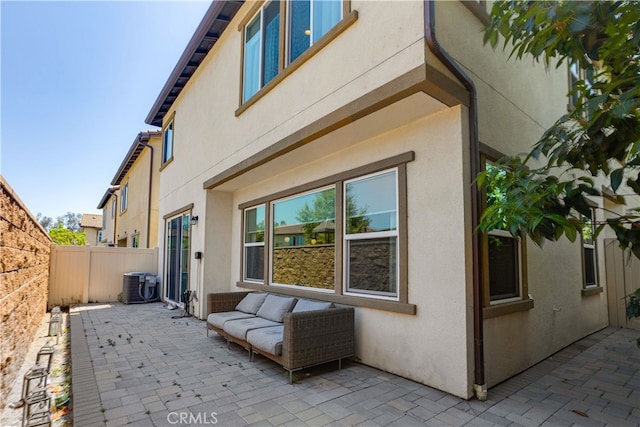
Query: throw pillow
[275, 307]
[251, 303]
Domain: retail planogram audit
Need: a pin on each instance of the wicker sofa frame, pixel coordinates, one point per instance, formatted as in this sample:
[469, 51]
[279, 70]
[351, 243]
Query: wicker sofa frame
[310, 338]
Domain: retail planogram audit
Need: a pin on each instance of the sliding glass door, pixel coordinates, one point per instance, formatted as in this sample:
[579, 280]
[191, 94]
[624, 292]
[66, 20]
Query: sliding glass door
[176, 258]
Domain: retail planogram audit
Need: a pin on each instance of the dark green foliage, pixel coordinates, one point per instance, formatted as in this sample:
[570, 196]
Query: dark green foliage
[65, 237]
[600, 137]
[633, 304]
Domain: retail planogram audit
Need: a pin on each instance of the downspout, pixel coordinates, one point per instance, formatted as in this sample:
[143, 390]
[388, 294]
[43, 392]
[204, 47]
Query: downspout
[479, 387]
[144, 144]
[113, 190]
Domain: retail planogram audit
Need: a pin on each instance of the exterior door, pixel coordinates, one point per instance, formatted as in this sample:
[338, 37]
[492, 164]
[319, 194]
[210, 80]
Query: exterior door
[178, 239]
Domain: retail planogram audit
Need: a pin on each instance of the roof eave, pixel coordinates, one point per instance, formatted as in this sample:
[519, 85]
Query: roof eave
[105, 199]
[132, 154]
[155, 117]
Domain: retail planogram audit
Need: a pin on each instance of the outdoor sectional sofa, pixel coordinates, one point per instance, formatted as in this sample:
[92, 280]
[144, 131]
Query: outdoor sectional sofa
[296, 333]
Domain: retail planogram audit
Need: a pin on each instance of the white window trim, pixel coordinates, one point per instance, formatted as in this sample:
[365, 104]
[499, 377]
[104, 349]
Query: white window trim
[260, 55]
[367, 236]
[249, 245]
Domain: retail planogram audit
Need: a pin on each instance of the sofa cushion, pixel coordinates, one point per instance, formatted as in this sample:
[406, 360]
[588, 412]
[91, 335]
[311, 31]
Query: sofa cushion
[251, 303]
[308, 305]
[268, 339]
[274, 307]
[218, 319]
[239, 328]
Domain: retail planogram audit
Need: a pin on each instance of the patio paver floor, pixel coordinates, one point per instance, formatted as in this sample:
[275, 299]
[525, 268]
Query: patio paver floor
[136, 365]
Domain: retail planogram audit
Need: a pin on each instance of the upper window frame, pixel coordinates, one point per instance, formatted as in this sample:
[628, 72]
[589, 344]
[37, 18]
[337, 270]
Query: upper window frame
[348, 17]
[246, 244]
[170, 125]
[124, 198]
[596, 288]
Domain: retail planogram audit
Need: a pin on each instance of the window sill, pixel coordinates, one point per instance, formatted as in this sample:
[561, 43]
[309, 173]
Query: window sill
[593, 290]
[507, 308]
[165, 164]
[393, 306]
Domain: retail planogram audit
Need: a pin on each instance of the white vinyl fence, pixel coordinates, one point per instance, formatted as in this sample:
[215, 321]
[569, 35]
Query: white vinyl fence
[623, 278]
[83, 274]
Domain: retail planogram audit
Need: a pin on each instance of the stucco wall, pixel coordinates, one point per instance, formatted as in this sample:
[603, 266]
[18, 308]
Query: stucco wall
[24, 279]
[518, 101]
[108, 233]
[432, 347]
[209, 138]
[386, 42]
[134, 220]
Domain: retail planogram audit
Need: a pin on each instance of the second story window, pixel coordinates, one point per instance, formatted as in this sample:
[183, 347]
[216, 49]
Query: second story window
[167, 143]
[113, 208]
[308, 21]
[261, 49]
[280, 32]
[124, 196]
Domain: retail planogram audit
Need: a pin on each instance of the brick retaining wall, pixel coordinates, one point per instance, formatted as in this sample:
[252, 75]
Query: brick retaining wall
[24, 282]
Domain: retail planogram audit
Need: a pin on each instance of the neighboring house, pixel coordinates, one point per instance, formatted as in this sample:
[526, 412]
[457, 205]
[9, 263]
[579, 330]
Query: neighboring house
[130, 204]
[363, 115]
[91, 226]
[109, 206]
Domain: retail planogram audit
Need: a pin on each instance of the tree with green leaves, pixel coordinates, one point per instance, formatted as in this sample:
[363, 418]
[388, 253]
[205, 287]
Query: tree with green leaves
[323, 209]
[45, 221]
[597, 142]
[70, 220]
[66, 237]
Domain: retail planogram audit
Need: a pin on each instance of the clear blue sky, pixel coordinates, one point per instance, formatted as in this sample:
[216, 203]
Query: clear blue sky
[78, 78]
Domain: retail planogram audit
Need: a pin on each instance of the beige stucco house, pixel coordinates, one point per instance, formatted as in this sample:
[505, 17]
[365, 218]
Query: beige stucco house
[130, 204]
[373, 116]
[91, 226]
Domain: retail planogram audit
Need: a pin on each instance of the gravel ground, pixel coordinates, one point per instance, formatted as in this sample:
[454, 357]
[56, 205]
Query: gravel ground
[59, 380]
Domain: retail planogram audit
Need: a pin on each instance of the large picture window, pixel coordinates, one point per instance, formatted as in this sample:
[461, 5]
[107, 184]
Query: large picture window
[254, 244]
[371, 234]
[343, 235]
[303, 236]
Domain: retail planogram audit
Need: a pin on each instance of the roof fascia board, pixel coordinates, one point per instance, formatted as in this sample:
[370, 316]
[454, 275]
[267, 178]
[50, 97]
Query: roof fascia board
[200, 34]
[133, 154]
